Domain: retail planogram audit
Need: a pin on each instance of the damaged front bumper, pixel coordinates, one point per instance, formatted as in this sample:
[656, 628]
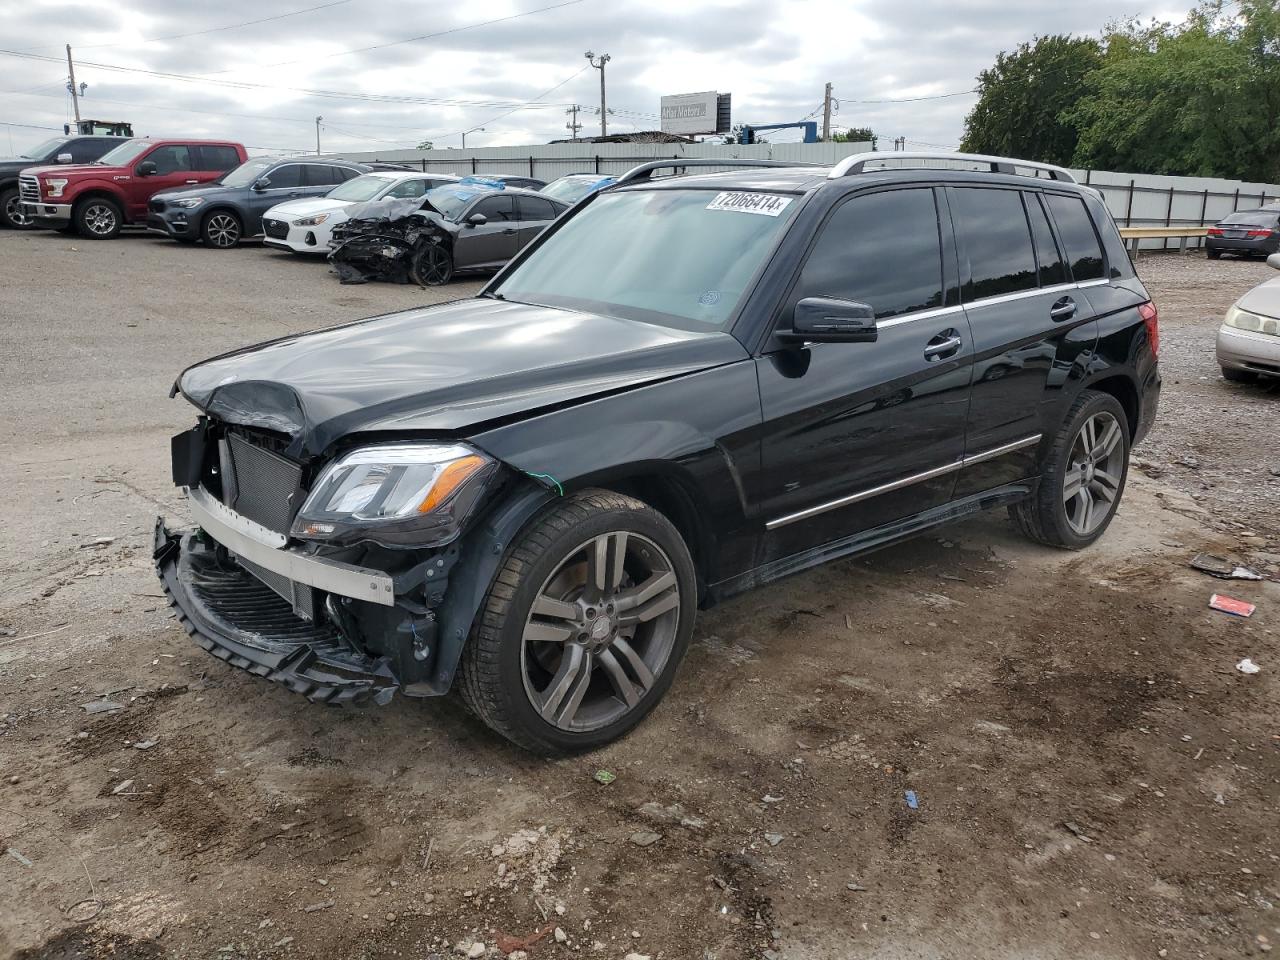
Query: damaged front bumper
[239, 619]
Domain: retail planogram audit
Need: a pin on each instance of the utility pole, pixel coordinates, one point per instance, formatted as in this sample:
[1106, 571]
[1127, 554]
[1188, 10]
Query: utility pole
[573, 126]
[75, 94]
[318, 119]
[598, 63]
[826, 114]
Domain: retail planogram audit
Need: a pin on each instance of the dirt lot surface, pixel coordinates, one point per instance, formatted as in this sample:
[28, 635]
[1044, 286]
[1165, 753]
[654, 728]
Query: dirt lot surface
[1093, 777]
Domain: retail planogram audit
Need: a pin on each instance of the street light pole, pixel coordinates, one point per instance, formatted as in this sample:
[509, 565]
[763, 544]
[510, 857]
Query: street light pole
[472, 130]
[598, 63]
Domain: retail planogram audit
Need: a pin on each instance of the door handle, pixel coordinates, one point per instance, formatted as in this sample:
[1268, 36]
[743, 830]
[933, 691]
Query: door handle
[191, 181]
[510, 231]
[944, 345]
[1062, 309]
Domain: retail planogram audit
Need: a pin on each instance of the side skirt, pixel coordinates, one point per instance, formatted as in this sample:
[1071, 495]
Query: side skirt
[868, 540]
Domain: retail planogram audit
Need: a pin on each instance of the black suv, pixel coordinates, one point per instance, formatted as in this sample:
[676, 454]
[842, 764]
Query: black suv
[681, 389]
[76, 150]
[230, 209]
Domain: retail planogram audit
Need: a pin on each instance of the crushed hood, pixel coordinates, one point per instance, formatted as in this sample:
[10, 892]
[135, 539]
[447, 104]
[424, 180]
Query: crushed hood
[448, 368]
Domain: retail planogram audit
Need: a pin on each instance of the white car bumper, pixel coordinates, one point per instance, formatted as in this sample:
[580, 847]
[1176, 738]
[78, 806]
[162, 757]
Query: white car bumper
[289, 236]
[1243, 350]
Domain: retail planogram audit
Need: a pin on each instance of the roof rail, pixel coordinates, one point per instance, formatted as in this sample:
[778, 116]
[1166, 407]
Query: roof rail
[644, 171]
[855, 164]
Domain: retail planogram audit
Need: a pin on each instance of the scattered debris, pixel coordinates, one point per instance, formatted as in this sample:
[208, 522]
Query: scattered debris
[84, 910]
[1223, 569]
[774, 838]
[13, 852]
[1078, 831]
[144, 744]
[1237, 608]
[122, 786]
[560, 935]
[509, 944]
[282, 942]
[102, 706]
[645, 838]
[855, 887]
[605, 777]
[322, 905]
[672, 814]
[1248, 666]
[912, 802]
[636, 956]
[98, 542]
[472, 949]
[770, 798]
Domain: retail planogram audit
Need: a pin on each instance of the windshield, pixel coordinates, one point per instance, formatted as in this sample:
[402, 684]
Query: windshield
[246, 173]
[125, 154]
[360, 188]
[679, 257]
[450, 199]
[573, 188]
[42, 150]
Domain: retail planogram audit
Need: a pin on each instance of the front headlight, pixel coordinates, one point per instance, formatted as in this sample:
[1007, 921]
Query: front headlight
[189, 202]
[1244, 320]
[53, 188]
[397, 495]
[315, 221]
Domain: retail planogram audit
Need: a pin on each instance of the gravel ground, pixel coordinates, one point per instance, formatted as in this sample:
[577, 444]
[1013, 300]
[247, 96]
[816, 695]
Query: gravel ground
[1093, 776]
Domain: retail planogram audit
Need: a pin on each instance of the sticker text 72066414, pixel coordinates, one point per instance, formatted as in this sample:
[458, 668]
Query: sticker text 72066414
[768, 204]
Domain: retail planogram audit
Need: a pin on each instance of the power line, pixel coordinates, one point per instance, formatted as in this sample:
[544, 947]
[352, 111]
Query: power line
[936, 96]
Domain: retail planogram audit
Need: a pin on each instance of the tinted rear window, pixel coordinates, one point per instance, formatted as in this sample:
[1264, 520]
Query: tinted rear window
[1053, 269]
[1084, 252]
[1263, 218]
[995, 239]
[880, 249]
[213, 157]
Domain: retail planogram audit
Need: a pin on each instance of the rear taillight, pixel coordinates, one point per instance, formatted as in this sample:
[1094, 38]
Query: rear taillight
[1215, 231]
[1151, 320]
[1254, 234]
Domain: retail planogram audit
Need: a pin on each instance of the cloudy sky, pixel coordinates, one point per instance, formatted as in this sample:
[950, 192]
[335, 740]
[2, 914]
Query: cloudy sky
[182, 67]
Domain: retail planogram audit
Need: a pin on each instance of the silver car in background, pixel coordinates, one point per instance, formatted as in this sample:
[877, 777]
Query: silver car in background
[1249, 338]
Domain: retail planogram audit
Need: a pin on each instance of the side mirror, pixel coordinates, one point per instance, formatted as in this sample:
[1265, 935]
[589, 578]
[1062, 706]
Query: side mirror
[147, 168]
[1273, 261]
[477, 220]
[63, 158]
[827, 320]
[261, 184]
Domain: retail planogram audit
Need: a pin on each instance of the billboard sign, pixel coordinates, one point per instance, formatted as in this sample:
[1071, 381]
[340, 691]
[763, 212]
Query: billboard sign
[686, 114]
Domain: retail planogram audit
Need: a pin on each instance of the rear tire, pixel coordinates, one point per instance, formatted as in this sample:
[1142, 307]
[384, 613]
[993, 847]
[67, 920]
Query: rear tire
[11, 214]
[571, 649]
[97, 218]
[1239, 376]
[1214, 254]
[1082, 476]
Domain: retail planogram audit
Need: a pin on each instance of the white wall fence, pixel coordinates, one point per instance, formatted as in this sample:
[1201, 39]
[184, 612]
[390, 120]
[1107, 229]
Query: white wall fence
[1134, 199]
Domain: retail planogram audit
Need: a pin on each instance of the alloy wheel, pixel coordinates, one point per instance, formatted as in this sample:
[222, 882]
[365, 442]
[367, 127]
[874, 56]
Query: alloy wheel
[222, 230]
[100, 219]
[434, 266]
[1093, 475]
[600, 631]
[13, 212]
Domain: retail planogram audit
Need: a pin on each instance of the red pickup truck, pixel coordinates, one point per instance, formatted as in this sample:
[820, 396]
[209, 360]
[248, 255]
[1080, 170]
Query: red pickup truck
[97, 199]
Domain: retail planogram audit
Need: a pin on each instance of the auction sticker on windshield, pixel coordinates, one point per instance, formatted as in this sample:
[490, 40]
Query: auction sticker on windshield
[768, 204]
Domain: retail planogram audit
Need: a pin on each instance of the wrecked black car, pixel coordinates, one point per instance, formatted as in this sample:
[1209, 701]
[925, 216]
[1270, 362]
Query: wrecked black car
[474, 225]
[682, 389]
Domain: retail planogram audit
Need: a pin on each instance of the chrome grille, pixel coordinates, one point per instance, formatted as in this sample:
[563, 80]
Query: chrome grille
[28, 189]
[264, 486]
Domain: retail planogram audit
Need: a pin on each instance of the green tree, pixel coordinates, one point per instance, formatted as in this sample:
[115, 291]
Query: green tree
[426, 145]
[1023, 96]
[856, 135]
[1198, 98]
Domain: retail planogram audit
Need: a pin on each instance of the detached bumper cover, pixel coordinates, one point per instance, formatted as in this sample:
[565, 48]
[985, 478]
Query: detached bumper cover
[240, 620]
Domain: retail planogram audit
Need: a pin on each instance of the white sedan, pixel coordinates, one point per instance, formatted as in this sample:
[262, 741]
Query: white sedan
[306, 225]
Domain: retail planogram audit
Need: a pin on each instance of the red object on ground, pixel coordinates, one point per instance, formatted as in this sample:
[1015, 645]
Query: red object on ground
[1237, 608]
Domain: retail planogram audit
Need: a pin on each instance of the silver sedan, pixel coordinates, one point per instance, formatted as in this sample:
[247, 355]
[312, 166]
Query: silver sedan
[1249, 339]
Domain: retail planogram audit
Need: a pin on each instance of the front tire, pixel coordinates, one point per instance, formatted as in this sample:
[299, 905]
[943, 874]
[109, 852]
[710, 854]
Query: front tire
[1082, 477]
[11, 214]
[1239, 376]
[584, 625]
[97, 218]
[432, 265]
[221, 230]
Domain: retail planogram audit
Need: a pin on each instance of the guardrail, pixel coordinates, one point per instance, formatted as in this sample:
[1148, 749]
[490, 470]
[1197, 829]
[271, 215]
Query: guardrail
[1133, 236]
